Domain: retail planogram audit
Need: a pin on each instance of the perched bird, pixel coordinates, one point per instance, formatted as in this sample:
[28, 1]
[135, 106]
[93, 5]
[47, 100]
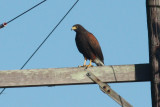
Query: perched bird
[88, 45]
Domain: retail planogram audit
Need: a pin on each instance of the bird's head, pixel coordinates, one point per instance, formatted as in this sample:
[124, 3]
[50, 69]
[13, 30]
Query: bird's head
[77, 28]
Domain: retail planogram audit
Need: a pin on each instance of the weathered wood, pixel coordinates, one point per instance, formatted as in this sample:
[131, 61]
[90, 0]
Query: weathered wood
[109, 91]
[70, 76]
[153, 19]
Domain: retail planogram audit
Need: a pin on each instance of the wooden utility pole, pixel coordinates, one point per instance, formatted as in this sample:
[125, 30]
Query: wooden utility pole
[153, 19]
[109, 91]
[71, 76]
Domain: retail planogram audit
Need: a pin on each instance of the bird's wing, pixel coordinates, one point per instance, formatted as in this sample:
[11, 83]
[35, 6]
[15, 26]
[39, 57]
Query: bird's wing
[95, 47]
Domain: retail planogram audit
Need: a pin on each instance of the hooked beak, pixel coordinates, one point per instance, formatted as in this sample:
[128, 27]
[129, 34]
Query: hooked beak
[73, 28]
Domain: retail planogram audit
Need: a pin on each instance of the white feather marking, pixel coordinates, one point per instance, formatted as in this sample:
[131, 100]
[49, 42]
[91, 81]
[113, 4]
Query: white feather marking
[98, 62]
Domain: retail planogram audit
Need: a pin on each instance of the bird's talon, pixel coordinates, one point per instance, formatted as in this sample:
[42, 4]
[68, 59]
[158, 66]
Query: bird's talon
[82, 66]
[88, 66]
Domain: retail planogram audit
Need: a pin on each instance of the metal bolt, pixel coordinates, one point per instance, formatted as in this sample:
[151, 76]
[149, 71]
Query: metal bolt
[104, 87]
[88, 74]
[108, 91]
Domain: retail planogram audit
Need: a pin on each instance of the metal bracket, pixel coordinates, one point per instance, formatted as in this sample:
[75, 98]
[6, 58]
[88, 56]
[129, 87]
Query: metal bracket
[107, 89]
[3, 25]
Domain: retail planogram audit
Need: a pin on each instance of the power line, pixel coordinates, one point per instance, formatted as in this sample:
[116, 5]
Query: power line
[45, 39]
[50, 33]
[5, 23]
[2, 90]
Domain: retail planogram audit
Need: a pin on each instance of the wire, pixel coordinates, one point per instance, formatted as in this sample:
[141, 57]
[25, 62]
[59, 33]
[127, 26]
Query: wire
[45, 39]
[26, 11]
[114, 73]
[2, 91]
[5, 23]
[50, 33]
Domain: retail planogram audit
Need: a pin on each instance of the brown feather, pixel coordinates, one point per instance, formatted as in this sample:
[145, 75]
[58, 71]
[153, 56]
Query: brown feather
[94, 45]
[88, 45]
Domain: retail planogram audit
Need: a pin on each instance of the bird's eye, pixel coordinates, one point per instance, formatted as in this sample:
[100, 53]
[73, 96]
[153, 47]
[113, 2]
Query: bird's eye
[76, 26]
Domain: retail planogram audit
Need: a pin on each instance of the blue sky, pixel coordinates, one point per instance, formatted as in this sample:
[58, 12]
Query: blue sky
[120, 27]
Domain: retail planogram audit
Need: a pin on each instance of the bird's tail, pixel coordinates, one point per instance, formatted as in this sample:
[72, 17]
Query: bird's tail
[98, 62]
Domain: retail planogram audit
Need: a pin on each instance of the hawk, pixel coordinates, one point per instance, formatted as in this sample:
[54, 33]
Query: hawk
[88, 45]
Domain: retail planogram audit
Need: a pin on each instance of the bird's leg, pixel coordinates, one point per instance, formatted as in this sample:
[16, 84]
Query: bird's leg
[85, 59]
[90, 64]
[84, 64]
